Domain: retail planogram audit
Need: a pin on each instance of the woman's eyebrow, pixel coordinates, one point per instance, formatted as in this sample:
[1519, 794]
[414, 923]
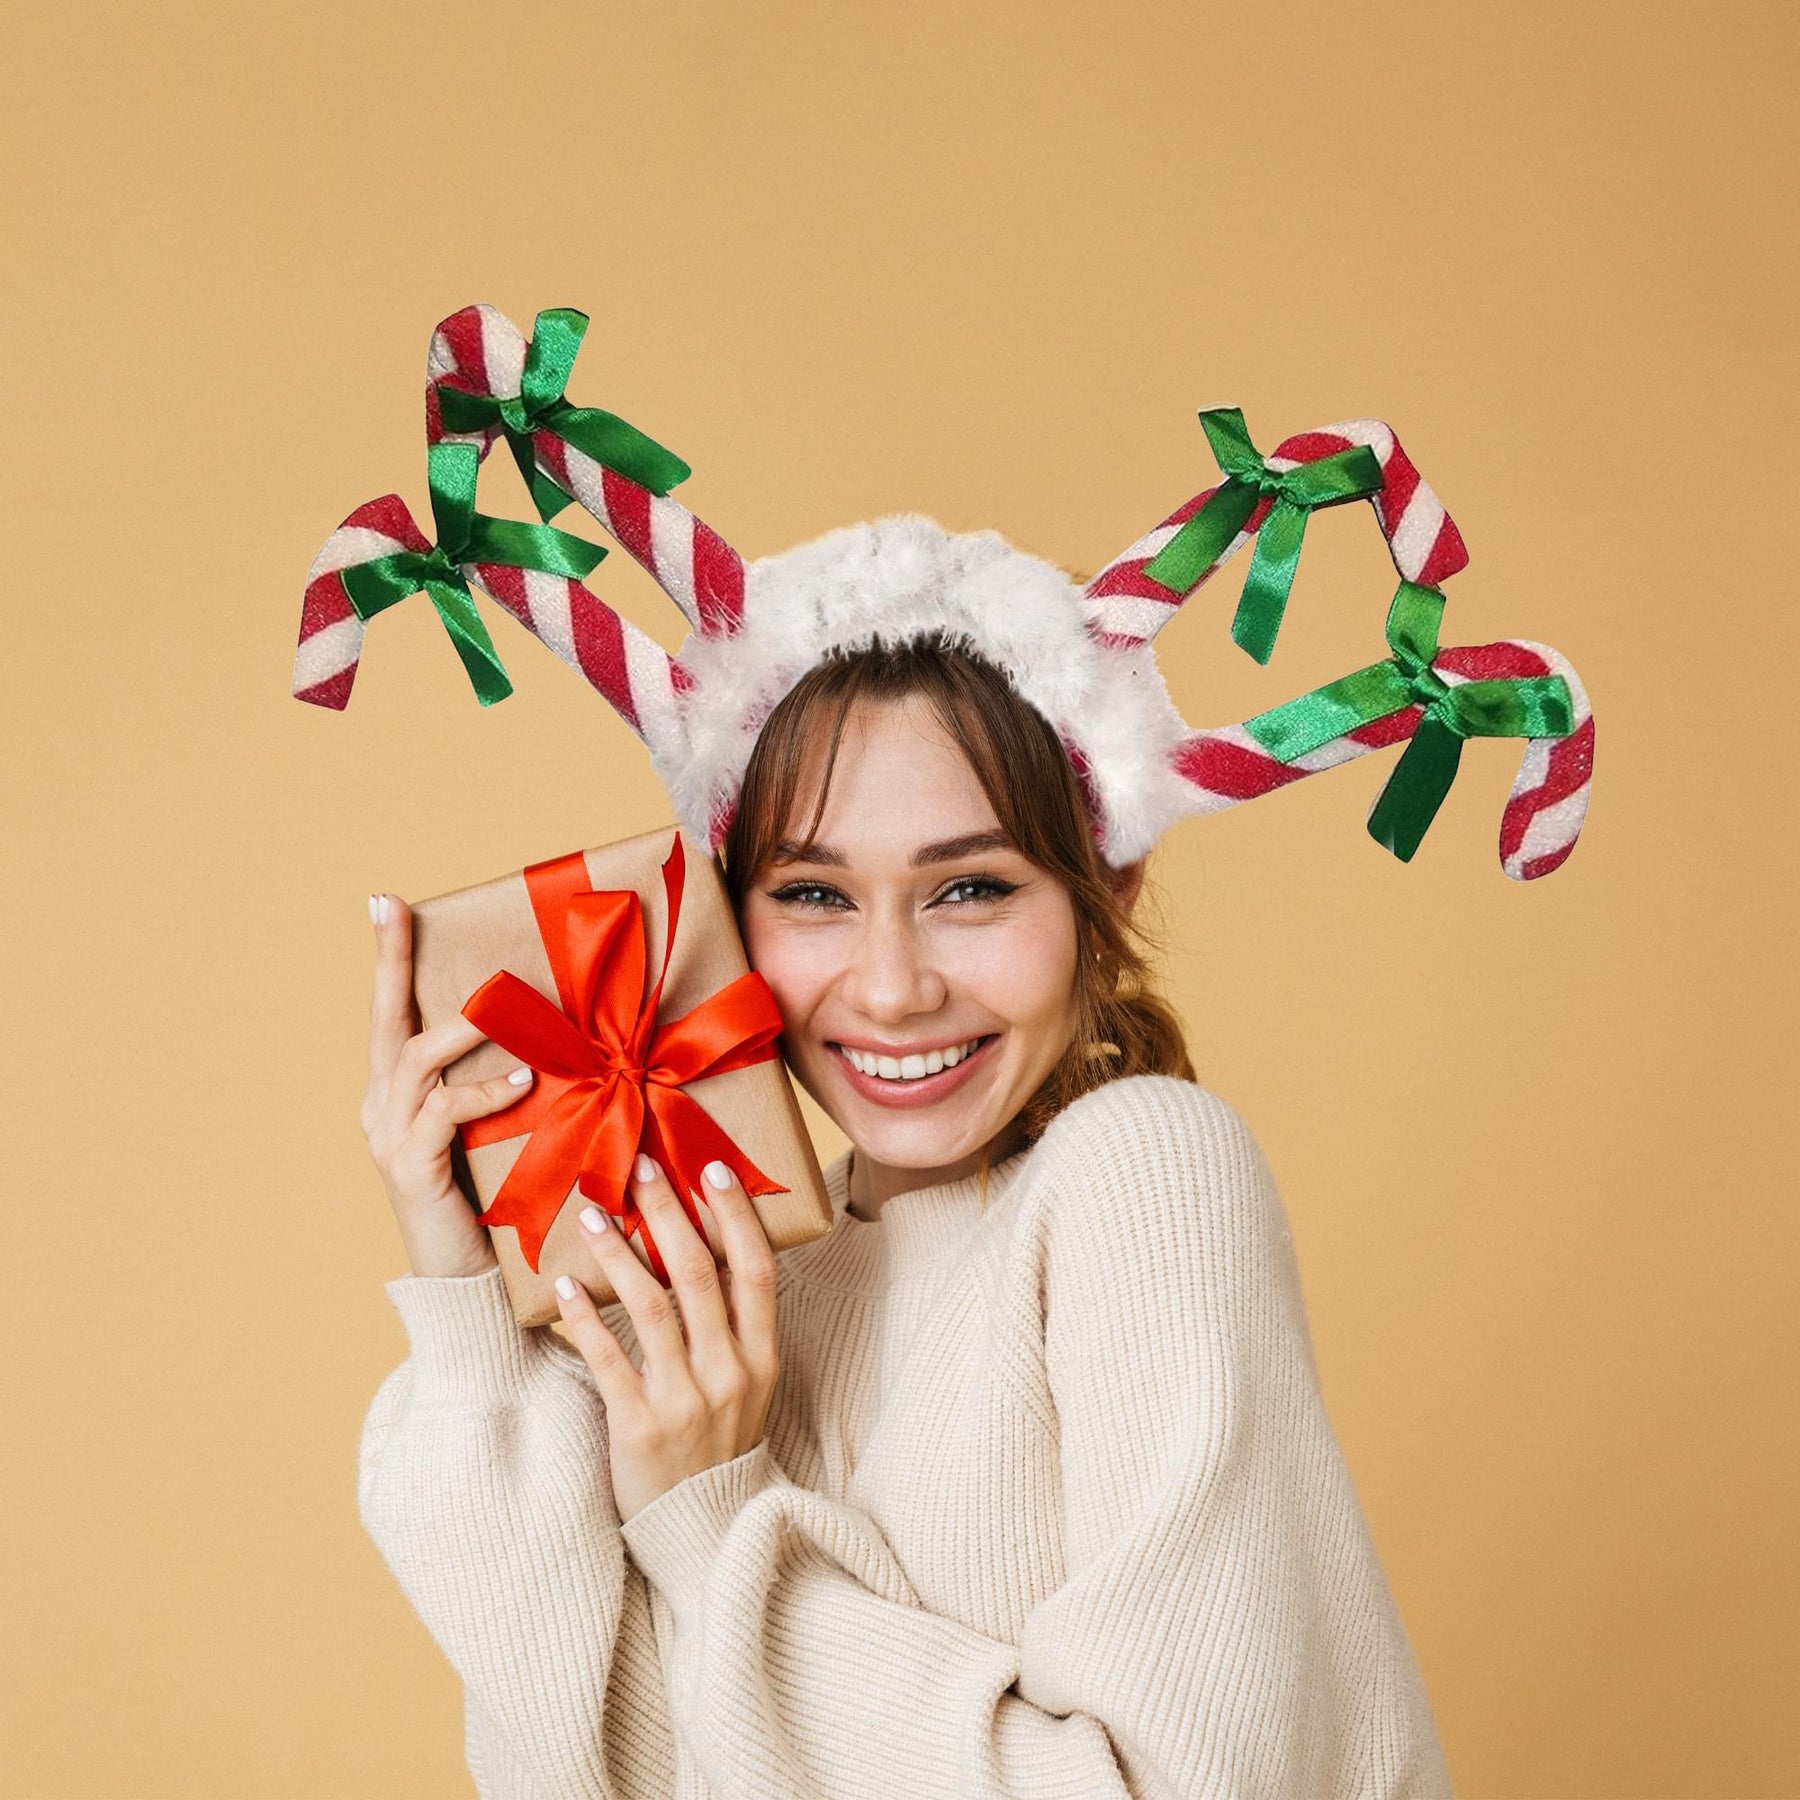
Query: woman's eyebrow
[971, 843]
[789, 851]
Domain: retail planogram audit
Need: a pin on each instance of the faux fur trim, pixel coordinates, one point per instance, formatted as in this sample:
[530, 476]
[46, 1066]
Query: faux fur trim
[904, 577]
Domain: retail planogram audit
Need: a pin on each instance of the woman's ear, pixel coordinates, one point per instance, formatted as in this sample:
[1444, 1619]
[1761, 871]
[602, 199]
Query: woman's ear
[1127, 881]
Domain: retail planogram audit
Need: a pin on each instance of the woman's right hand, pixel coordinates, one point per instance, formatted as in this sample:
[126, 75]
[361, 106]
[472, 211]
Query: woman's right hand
[410, 1115]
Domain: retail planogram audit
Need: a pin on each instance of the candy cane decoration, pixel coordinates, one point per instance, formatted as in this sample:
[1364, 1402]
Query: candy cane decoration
[1549, 798]
[1125, 607]
[1139, 766]
[629, 669]
[481, 351]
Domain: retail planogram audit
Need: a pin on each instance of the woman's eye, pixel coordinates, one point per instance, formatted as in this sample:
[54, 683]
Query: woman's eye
[814, 894]
[968, 889]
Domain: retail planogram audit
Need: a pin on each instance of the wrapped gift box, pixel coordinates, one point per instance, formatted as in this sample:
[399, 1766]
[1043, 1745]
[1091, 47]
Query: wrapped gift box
[462, 940]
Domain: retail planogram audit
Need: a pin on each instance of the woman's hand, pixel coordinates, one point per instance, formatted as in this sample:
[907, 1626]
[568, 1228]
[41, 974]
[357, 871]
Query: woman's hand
[698, 1401]
[410, 1116]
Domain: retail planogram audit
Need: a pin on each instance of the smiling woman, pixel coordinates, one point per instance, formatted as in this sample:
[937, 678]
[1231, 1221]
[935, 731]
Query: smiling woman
[1018, 1481]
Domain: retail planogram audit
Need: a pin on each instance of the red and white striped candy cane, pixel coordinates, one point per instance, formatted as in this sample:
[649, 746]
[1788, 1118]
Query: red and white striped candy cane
[1125, 607]
[482, 351]
[632, 671]
[1549, 797]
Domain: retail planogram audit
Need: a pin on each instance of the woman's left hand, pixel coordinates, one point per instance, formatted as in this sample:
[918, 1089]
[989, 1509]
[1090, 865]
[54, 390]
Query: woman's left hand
[700, 1399]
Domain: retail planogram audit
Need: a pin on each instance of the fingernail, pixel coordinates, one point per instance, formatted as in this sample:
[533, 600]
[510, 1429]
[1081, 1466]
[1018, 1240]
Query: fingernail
[378, 909]
[374, 916]
[593, 1218]
[646, 1170]
[565, 1287]
[519, 1077]
[717, 1175]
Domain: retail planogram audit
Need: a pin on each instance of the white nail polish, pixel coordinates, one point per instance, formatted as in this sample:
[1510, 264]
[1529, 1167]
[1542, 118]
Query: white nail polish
[717, 1176]
[593, 1219]
[518, 1077]
[374, 918]
[382, 909]
[646, 1169]
[565, 1287]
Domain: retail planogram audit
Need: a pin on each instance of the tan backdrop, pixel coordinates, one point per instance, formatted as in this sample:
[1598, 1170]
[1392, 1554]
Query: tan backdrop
[985, 262]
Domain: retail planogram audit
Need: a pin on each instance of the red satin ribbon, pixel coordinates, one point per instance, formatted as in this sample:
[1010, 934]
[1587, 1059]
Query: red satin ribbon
[609, 1078]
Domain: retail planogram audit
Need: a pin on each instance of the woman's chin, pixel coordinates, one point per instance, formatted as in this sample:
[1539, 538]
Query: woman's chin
[912, 1143]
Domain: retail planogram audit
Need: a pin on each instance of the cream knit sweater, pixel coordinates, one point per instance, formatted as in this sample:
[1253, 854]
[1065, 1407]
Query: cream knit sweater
[1047, 1505]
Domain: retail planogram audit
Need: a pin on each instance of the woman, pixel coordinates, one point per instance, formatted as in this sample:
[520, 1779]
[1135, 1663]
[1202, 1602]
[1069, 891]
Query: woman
[1018, 1482]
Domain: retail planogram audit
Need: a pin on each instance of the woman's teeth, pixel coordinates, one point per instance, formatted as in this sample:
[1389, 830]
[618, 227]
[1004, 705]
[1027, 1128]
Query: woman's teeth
[907, 1068]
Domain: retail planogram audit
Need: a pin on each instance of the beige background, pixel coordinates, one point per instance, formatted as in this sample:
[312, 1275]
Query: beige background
[986, 262]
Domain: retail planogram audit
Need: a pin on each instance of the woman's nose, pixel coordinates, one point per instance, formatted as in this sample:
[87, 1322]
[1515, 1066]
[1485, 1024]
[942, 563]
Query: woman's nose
[891, 976]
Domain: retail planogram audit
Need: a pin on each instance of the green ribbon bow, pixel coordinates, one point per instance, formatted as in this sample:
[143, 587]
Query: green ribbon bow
[464, 536]
[540, 406]
[1348, 475]
[1534, 706]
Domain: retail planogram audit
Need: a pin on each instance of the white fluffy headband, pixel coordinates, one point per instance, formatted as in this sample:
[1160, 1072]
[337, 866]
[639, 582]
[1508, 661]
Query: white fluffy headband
[1081, 656]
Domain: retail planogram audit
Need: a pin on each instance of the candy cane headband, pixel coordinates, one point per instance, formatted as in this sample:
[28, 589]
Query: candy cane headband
[1082, 656]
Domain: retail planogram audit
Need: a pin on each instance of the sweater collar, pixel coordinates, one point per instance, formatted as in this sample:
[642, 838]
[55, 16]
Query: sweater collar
[916, 1229]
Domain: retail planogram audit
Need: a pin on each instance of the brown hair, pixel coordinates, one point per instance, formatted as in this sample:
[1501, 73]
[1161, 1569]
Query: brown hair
[1122, 1028]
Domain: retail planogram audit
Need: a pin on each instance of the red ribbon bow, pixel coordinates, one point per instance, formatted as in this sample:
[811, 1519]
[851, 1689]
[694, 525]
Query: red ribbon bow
[609, 1079]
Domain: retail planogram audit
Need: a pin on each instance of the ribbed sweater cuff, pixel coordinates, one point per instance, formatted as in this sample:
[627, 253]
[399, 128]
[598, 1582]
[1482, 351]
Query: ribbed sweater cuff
[467, 1348]
[674, 1537]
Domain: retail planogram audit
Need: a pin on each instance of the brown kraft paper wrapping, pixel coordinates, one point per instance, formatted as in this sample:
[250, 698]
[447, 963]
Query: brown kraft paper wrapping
[461, 938]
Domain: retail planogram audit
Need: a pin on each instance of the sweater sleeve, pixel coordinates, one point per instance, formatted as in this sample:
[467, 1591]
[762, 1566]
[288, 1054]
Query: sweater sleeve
[1224, 1608]
[484, 1482]
[1223, 1628]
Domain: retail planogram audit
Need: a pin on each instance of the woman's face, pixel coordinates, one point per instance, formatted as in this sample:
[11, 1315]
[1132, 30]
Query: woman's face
[909, 937]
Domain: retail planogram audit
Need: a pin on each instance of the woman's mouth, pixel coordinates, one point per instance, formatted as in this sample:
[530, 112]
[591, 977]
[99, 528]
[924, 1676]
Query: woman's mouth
[913, 1080]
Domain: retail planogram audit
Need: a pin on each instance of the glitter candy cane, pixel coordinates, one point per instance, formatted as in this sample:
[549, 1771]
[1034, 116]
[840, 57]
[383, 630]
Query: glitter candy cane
[1126, 605]
[379, 555]
[1388, 704]
[609, 469]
